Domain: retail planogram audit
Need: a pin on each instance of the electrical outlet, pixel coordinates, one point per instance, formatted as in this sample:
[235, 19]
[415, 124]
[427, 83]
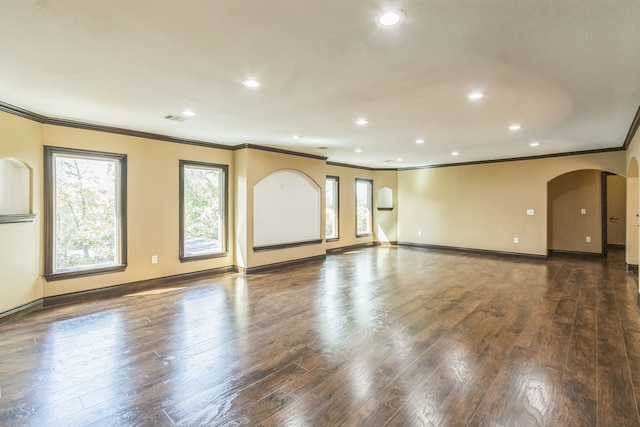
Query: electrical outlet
[588, 239]
[419, 233]
[583, 211]
[154, 259]
[516, 240]
[530, 212]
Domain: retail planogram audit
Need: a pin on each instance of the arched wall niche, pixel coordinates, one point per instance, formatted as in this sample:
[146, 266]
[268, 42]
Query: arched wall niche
[385, 199]
[286, 210]
[15, 191]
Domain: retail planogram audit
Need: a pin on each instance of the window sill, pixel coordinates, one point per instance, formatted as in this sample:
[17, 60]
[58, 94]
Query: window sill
[364, 235]
[51, 277]
[333, 239]
[13, 218]
[203, 257]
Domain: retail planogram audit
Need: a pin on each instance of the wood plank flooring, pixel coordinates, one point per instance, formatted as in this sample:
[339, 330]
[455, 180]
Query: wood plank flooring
[375, 337]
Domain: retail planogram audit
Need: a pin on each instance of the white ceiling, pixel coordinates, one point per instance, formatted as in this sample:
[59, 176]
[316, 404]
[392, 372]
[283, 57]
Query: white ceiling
[568, 70]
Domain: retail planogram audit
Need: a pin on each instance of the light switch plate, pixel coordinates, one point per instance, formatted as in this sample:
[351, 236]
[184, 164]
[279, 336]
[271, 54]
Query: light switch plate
[530, 212]
[583, 211]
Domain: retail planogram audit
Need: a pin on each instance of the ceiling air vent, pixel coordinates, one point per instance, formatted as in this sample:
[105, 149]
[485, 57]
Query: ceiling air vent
[175, 117]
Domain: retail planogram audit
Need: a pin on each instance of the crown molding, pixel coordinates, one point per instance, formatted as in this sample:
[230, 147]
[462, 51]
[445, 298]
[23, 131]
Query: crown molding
[366, 168]
[134, 133]
[632, 129]
[21, 112]
[517, 159]
[277, 150]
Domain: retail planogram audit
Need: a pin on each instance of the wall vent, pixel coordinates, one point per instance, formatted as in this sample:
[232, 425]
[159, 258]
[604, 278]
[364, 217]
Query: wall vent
[175, 117]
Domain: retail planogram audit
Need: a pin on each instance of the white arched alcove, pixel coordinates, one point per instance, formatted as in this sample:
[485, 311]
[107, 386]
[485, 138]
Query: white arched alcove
[385, 199]
[15, 191]
[286, 209]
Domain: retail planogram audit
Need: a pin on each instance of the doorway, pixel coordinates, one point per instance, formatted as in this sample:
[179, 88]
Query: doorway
[614, 211]
[586, 211]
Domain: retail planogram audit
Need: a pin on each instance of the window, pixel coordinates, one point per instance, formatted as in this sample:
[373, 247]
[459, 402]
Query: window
[85, 213]
[364, 202]
[203, 203]
[332, 208]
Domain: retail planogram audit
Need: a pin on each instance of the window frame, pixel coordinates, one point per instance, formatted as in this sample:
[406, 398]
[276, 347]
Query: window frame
[336, 180]
[224, 209]
[369, 182]
[50, 152]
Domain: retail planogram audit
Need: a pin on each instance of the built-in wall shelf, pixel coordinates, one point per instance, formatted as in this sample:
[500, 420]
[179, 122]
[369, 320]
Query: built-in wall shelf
[15, 191]
[8, 219]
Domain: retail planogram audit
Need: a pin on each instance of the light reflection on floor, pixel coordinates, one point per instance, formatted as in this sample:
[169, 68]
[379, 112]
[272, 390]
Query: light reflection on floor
[154, 292]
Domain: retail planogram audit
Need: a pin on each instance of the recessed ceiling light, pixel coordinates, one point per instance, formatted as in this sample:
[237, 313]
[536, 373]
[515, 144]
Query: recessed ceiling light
[398, 159]
[357, 150]
[362, 122]
[295, 136]
[515, 127]
[454, 153]
[474, 96]
[189, 113]
[390, 18]
[251, 83]
[419, 141]
[535, 144]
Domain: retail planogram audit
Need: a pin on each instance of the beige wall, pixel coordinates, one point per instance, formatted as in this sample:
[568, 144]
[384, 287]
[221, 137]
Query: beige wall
[632, 222]
[632, 212]
[485, 206]
[21, 279]
[385, 223]
[255, 165]
[633, 235]
[616, 210]
[568, 227]
[241, 242]
[632, 156]
[152, 215]
[475, 206]
[347, 202]
[152, 204]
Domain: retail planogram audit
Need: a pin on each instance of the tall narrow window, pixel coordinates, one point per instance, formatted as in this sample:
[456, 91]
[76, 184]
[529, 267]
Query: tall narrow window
[364, 203]
[332, 208]
[85, 213]
[203, 204]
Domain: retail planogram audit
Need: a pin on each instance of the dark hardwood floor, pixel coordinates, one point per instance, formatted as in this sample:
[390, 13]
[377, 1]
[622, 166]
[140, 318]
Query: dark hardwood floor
[375, 337]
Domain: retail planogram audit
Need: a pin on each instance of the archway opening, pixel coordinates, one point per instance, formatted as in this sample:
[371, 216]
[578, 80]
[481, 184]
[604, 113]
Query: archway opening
[586, 212]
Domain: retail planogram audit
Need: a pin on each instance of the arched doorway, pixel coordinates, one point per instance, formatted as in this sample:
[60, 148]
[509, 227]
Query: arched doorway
[586, 212]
